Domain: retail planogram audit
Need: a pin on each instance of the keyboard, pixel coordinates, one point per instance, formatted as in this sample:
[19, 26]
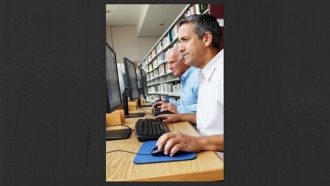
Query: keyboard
[150, 129]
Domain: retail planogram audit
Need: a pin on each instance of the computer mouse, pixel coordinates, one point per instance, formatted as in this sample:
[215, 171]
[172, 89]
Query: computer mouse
[157, 152]
[160, 152]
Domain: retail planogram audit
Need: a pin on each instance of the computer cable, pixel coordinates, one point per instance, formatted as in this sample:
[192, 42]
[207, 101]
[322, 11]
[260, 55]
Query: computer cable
[123, 126]
[126, 152]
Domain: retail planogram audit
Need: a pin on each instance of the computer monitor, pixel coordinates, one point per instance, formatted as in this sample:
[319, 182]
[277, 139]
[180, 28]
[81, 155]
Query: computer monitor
[131, 87]
[113, 97]
[130, 80]
[143, 83]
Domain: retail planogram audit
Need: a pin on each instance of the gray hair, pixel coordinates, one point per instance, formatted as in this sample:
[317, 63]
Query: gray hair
[176, 48]
[205, 23]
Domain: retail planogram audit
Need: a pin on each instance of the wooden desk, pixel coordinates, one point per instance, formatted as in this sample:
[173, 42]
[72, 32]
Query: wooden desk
[208, 166]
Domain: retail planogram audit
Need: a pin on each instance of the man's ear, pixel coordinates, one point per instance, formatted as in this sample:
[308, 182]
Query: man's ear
[207, 38]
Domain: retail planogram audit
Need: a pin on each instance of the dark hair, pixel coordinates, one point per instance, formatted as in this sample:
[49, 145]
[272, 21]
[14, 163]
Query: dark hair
[204, 23]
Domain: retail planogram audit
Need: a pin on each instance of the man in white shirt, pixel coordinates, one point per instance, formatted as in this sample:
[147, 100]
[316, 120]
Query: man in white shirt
[199, 38]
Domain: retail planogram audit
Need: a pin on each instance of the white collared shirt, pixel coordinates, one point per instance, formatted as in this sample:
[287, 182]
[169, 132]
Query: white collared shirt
[210, 105]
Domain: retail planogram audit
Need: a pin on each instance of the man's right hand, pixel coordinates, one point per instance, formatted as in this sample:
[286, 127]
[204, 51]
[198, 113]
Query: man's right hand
[169, 118]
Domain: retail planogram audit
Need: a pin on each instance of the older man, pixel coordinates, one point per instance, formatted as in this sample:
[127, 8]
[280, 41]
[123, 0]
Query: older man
[189, 85]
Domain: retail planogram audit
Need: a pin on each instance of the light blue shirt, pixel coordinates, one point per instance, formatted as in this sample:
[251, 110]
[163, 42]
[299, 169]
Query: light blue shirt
[189, 92]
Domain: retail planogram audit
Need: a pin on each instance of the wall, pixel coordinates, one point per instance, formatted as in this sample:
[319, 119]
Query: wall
[108, 35]
[125, 42]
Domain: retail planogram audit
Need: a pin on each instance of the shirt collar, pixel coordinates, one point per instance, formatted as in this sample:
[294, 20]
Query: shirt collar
[208, 70]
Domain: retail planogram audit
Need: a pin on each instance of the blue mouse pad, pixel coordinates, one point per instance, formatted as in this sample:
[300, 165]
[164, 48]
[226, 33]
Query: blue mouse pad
[149, 145]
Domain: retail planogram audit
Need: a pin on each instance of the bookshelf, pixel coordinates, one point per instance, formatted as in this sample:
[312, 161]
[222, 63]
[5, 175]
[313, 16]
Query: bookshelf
[160, 81]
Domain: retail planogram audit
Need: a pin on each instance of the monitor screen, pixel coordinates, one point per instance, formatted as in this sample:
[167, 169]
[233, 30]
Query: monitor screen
[143, 83]
[130, 80]
[113, 89]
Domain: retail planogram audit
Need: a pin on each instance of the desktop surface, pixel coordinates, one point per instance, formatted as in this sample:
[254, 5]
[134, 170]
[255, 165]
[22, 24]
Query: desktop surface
[208, 166]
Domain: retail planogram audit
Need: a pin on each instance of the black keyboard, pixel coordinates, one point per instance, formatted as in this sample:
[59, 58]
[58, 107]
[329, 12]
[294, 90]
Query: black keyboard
[150, 129]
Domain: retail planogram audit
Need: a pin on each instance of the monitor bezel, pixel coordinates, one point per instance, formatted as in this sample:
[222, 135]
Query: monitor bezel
[127, 81]
[143, 80]
[112, 108]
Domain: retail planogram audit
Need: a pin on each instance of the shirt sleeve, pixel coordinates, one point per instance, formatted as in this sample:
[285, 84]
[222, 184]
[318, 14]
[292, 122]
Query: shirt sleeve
[192, 108]
[174, 103]
[188, 103]
[187, 108]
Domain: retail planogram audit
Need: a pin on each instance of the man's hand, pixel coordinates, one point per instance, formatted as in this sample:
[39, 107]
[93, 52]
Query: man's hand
[169, 118]
[169, 107]
[176, 141]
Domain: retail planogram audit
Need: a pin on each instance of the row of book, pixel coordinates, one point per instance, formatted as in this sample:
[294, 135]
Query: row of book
[163, 79]
[196, 9]
[161, 70]
[169, 98]
[156, 62]
[171, 88]
[158, 52]
[172, 34]
[153, 98]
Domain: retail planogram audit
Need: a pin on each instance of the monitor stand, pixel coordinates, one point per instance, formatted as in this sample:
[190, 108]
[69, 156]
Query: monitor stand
[125, 105]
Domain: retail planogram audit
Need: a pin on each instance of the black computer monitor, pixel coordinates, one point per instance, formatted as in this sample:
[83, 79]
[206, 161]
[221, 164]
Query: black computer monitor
[130, 80]
[113, 97]
[143, 83]
[131, 87]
